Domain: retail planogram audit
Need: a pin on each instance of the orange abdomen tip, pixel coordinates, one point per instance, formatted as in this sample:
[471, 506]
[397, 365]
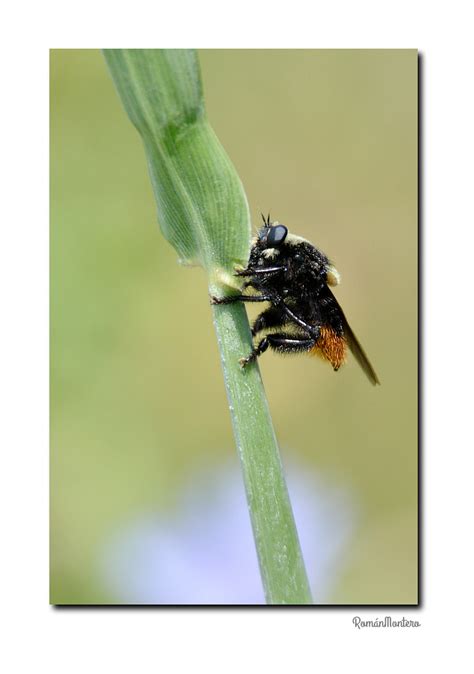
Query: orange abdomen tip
[331, 347]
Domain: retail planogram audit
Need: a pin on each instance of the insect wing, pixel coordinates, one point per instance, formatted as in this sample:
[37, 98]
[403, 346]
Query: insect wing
[359, 354]
[357, 350]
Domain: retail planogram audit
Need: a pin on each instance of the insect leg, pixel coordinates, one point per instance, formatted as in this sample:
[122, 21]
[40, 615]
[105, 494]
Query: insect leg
[282, 342]
[288, 343]
[313, 330]
[240, 298]
[261, 347]
[269, 319]
[261, 270]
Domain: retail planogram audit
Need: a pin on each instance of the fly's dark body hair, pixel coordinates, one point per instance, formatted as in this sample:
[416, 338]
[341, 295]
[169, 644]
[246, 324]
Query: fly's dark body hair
[293, 276]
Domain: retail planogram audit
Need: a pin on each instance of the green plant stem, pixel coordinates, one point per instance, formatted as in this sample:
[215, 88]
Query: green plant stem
[276, 538]
[203, 213]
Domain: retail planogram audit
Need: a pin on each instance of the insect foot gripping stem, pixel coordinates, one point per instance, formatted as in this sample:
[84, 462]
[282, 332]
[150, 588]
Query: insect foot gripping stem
[256, 351]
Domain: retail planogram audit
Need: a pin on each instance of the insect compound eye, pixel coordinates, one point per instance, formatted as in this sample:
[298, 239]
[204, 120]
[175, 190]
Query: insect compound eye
[276, 235]
[262, 235]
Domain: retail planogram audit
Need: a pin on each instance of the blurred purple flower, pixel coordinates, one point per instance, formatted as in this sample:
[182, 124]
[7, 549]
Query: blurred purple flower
[205, 553]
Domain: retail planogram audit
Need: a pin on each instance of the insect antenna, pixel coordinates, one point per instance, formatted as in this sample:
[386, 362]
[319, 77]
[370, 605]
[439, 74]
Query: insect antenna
[266, 220]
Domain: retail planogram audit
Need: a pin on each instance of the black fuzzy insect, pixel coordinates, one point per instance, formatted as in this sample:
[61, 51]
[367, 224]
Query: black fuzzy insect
[294, 277]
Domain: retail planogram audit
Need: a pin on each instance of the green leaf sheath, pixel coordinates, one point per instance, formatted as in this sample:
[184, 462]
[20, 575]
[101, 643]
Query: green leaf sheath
[203, 213]
[202, 208]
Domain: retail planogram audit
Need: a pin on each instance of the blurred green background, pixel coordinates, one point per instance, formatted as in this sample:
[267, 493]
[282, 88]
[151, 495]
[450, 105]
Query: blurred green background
[326, 141]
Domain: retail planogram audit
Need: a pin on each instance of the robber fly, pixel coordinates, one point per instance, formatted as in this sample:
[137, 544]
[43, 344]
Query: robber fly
[304, 316]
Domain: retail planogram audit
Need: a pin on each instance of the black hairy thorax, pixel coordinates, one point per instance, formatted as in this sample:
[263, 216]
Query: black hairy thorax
[304, 284]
